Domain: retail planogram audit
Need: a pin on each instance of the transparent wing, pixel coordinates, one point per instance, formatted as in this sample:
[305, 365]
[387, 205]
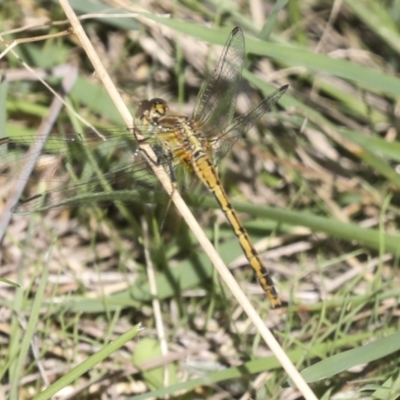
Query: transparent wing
[223, 143]
[216, 101]
[15, 152]
[84, 169]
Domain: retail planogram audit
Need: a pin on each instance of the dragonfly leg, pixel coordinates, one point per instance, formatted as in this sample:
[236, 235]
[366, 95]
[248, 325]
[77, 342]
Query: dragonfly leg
[171, 170]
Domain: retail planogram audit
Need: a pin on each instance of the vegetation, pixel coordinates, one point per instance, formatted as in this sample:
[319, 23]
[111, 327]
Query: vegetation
[317, 184]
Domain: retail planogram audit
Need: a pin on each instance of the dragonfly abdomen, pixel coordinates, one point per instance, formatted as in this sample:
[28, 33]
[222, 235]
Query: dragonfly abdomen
[207, 173]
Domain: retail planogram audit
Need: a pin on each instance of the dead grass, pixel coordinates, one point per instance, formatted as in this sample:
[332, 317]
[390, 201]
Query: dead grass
[318, 190]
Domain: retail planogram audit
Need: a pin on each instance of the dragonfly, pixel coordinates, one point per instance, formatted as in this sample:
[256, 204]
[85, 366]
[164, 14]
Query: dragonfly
[187, 147]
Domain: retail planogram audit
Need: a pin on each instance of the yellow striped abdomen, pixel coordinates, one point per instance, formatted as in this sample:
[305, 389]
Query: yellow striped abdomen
[208, 175]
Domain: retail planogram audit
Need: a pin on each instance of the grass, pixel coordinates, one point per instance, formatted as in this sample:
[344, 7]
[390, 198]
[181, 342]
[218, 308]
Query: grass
[317, 185]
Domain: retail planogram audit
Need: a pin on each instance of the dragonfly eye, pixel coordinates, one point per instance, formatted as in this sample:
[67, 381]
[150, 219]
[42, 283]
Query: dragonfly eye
[158, 108]
[152, 110]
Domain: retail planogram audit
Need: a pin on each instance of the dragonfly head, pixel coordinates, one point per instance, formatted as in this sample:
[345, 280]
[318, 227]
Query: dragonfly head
[150, 111]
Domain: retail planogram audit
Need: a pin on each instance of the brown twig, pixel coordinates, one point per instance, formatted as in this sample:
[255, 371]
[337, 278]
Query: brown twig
[36, 38]
[43, 132]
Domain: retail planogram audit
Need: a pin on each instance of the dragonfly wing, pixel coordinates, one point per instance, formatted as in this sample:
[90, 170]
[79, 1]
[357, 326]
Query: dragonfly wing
[84, 169]
[58, 150]
[125, 185]
[243, 123]
[216, 101]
